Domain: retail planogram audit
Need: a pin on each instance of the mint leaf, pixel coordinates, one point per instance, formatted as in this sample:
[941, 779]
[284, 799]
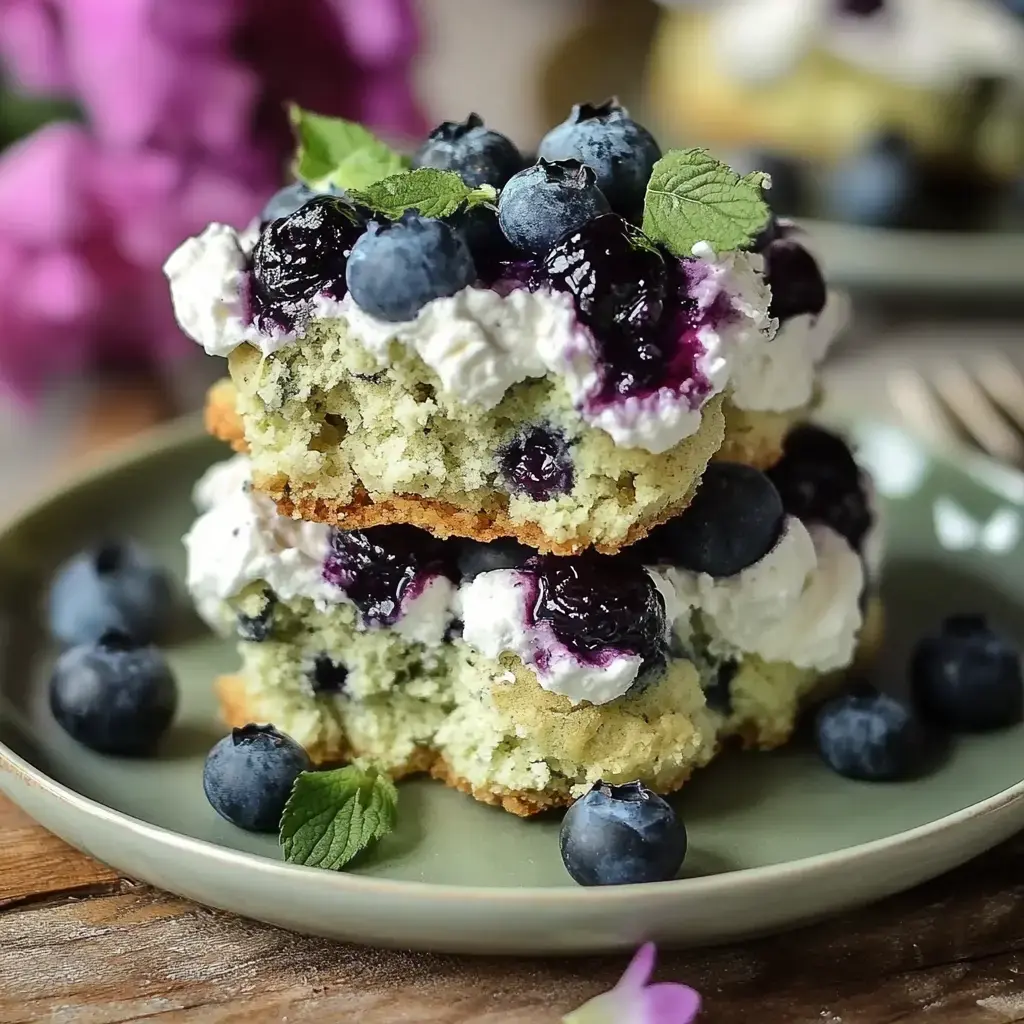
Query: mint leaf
[332, 151]
[434, 193]
[692, 197]
[332, 816]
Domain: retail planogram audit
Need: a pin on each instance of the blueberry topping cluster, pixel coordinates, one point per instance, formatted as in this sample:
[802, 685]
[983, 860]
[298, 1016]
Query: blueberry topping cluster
[537, 463]
[597, 604]
[820, 482]
[736, 517]
[380, 568]
[301, 255]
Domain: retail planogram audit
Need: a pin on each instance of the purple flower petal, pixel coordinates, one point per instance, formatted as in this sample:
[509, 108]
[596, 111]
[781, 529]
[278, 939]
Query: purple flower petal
[669, 1003]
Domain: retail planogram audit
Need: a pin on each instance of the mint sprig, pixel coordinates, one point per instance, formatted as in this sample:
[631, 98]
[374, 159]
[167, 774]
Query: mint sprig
[333, 151]
[432, 192]
[333, 816]
[692, 197]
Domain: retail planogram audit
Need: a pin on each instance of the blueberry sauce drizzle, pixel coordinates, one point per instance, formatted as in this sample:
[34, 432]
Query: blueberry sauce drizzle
[383, 568]
[598, 607]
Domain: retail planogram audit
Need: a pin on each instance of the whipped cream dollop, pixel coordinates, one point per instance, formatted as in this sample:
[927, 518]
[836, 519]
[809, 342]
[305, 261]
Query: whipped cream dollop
[497, 619]
[780, 374]
[935, 44]
[799, 604]
[240, 539]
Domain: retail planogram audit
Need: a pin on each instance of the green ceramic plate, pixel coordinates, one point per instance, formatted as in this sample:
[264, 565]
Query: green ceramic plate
[777, 840]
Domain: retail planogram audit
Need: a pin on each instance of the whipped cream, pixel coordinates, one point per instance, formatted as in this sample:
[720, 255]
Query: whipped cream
[480, 342]
[935, 44]
[240, 539]
[799, 604]
[779, 374]
[497, 619]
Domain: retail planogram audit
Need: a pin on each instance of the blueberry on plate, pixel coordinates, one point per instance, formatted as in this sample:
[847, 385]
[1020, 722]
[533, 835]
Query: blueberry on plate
[621, 152]
[734, 520]
[542, 203]
[248, 776]
[477, 154]
[967, 677]
[115, 586]
[302, 254]
[114, 696]
[875, 187]
[475, 557]
[617, 835]
[870, 736]
[398, 267]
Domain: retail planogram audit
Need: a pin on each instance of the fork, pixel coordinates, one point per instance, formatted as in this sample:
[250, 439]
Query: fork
[982, 404]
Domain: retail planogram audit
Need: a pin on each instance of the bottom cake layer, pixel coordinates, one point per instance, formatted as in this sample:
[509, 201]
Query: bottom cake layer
[486, 728]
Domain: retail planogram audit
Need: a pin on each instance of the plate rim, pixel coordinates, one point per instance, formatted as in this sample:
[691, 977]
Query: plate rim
[188, 430]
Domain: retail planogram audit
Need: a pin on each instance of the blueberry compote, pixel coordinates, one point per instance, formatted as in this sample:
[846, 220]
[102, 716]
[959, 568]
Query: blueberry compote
[537, 463]
[636, 302]
[380, 568]
[598, 606]
[300, 256]
[795, 279]
[820, 482]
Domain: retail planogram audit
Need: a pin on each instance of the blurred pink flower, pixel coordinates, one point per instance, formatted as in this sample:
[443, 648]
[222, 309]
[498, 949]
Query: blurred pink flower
[635, 1001]
[185, 107]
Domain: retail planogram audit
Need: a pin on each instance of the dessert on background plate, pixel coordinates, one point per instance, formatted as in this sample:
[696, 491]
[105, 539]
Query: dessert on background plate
[551, 353]
[886, 113]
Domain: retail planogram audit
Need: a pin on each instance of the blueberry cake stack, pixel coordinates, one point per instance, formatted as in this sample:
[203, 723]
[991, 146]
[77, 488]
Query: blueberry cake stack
[523, 495]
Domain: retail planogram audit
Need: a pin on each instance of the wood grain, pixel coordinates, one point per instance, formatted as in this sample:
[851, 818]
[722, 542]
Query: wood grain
[951, 952]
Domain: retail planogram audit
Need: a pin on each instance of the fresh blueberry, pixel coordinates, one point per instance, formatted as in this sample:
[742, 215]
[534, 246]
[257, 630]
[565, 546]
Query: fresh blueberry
[596, 604]
[284, 202]
[380, 568]
[537, 463]
[967, 678]
[870, 736]
[542, 203]
[820, 482]
[475, 557]
[617, 277]
[303, 254]
[478, 154]
[621, 152]
[249, 775]
[734, 520]
[795, 278]
[116, 586]
[876, 186]
[617, 835]
[114, 696]
[398, 267]
[327, 676]
[488, 246]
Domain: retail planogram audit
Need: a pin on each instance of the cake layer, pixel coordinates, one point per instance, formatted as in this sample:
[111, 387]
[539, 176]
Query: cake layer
[514, 407]
[523, 678]
[751, 437]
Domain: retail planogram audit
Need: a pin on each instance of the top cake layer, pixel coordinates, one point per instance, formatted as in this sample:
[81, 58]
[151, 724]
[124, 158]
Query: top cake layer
[531, 363]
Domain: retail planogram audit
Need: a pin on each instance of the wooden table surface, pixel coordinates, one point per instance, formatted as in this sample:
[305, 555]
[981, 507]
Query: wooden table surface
[81, 945]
